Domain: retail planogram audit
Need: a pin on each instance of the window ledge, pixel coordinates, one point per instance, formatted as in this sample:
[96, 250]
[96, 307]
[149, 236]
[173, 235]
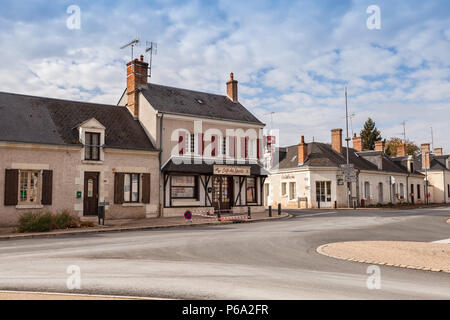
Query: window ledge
[29, 206]
[92, 161]
[132, 205]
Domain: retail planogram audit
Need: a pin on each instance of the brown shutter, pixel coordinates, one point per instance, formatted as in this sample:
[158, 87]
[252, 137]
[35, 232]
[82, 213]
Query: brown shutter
[47, 187]
[118, 187]
[146, 188]
[11, 187]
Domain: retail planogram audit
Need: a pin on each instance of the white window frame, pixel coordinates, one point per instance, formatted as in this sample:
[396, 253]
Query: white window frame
[294, 194]
[285, 193]
[38, 191]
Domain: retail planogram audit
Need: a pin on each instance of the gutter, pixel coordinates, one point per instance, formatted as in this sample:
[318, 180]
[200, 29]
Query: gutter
[161, 178]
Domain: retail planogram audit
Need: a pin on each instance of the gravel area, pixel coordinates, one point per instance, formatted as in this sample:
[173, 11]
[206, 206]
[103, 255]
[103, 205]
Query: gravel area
[412, 255]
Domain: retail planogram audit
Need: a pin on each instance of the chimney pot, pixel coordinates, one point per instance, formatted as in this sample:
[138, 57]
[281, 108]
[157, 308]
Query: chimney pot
[357, 143]
[142, 57]
[232, 89]
[336, 140]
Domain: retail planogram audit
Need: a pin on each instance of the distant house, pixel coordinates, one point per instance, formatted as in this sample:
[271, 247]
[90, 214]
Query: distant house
[310, 175]
[58, 154]
[436, 168]
[210, 144]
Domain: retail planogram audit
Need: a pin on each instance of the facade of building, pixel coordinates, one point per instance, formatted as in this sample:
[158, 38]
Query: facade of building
[310, 175]
[435, 166]
[159, 152]
[65, 155]
[210, 145]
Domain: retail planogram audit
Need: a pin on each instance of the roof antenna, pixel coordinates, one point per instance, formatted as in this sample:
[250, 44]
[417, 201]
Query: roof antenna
[132, 44]
[151, 47]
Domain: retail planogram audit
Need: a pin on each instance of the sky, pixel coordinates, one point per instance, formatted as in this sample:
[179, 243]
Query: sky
[292, 59]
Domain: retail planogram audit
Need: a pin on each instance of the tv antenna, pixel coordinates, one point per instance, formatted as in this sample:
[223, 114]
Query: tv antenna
[151, 48]
[131, 44]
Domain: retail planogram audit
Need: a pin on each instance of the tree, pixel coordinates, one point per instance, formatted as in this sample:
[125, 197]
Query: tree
[369, 135]
[392, 144]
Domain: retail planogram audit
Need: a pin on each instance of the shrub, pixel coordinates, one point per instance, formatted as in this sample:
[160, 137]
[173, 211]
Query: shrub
[379, 205]
[86, 224]
[64, 220]
[35, 222]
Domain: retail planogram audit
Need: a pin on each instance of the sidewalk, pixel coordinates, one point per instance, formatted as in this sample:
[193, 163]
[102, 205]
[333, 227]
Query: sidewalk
[140, 224]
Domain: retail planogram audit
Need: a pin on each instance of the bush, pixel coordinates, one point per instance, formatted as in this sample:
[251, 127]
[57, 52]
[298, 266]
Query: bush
[64, 220]
[41, 222]
[86, 224]
[35, 222]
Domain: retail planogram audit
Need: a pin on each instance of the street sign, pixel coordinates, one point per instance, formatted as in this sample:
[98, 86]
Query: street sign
[188, 215]
[349, 172]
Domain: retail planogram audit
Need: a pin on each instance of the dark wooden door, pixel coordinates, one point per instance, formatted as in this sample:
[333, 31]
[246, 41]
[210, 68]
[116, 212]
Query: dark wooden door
[222, 193]
[90, 207]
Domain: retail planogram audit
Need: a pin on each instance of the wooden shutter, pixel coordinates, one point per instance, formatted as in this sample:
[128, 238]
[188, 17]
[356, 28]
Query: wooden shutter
[203, 143]
[47, 187]
[180, 145]
[11, 187]
[258, 148]
[146, 188]
[118, 187]
[213, 145]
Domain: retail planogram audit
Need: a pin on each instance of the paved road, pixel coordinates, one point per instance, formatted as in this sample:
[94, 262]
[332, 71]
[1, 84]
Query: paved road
[265, 260]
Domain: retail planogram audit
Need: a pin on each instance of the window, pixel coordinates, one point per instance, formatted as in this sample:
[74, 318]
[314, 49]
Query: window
[29, 187]
[323, 191]
[131, 187]
[418, 191]
[292, 191]
[402, 191]
[251, 190]
[184, 187]
[283, 189]
[192, 143]
[224, 146]
[92, 146]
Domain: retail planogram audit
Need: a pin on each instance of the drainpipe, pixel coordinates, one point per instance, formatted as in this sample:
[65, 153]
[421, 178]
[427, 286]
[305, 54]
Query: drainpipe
[161, 177]
[407, 187]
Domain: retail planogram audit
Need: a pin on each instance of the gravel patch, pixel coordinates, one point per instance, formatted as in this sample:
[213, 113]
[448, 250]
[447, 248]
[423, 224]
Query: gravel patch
[405, 254]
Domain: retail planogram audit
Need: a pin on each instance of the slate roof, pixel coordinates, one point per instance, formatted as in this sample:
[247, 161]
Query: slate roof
[436, 162]
[194, 103]
[323, 155]
[32, 119]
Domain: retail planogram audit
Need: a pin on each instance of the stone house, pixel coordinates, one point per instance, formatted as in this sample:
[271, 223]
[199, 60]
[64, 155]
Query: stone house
[310, 175]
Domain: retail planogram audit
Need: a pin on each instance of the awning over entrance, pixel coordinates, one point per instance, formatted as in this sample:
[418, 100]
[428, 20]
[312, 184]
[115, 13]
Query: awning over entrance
[206, 168]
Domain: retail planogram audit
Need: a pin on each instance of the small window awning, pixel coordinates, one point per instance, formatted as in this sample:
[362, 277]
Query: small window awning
[178, 166]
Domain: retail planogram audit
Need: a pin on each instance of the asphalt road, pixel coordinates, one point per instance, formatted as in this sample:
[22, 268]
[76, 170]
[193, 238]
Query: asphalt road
[264, 260]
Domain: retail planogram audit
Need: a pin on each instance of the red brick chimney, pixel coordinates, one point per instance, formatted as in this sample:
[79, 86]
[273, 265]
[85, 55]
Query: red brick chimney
[425, 148]
[401, 150]
[302, 151]
[357, 143]
[336, 140]
[438, 151]
[136, 78]
[232, 90]
[379, 146]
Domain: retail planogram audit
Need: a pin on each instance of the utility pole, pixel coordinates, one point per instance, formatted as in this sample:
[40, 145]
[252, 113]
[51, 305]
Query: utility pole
[432, 139]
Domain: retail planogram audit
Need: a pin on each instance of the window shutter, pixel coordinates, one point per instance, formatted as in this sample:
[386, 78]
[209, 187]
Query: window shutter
[47, 187]
[146, 188]
[180, 145]
[258, 148]
[232, 146]
[118, 187]
[11, 187]
[213, 145]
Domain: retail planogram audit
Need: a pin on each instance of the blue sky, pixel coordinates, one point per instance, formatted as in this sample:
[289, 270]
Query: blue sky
[290, 57]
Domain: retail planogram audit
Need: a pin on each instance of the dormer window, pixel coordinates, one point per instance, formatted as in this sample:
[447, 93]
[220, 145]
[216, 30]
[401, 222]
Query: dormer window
[92, 146]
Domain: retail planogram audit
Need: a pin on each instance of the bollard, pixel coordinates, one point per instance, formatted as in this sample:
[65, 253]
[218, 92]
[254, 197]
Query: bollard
[279, 209]
[335, 204]
[318, 204]
[354, 205]
[218, 214]
[249, 213]
[270, 211]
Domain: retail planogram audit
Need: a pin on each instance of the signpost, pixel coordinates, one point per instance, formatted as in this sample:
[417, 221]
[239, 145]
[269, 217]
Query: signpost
[349, 172]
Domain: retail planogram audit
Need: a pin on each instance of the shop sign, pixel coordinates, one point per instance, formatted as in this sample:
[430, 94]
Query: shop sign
[231, 170]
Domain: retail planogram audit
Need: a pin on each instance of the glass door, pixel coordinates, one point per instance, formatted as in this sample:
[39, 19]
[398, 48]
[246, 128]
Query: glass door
[323, 194]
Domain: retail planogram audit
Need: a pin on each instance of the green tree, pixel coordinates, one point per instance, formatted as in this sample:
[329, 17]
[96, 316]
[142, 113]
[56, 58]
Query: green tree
[369, 135]
[392, 144]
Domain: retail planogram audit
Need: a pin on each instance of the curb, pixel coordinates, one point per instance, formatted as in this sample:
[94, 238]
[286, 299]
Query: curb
[322, 252]
[134, 228]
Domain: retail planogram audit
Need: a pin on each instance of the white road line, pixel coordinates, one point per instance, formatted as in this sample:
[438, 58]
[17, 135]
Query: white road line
[442, 241]
[80, 295]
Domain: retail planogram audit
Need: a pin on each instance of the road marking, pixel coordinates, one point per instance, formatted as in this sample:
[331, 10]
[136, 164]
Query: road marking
[79, 295]
[442, 241]
[315, 214]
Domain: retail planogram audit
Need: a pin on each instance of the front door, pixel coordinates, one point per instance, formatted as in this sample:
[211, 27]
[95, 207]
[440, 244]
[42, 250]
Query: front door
[222, 193]
[323, 194]
[90, 205]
